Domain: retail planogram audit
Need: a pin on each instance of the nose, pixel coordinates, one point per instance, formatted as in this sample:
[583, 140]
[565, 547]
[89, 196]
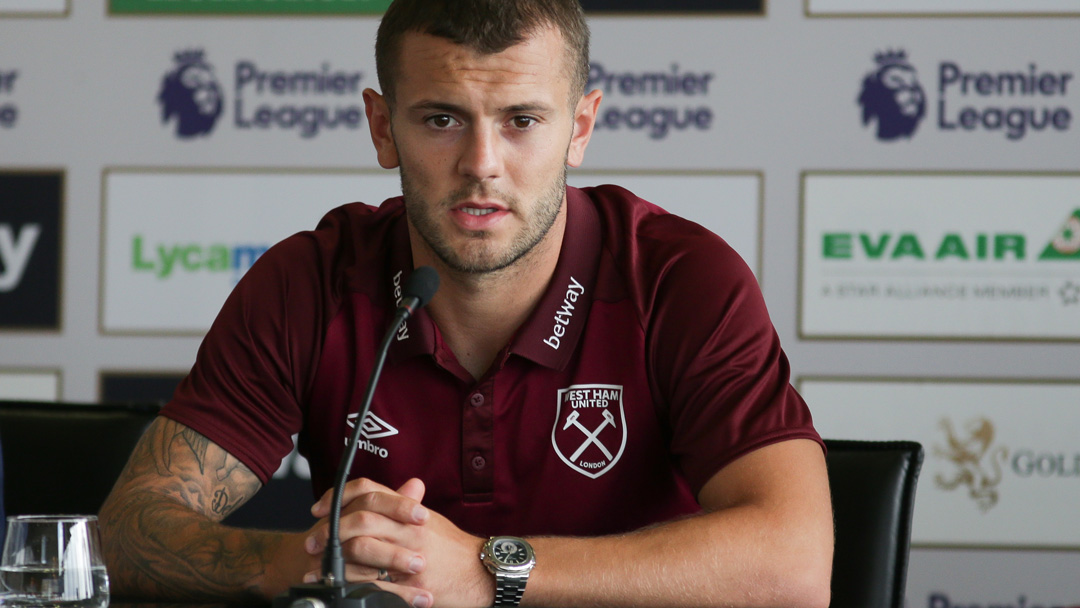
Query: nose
[481, 156]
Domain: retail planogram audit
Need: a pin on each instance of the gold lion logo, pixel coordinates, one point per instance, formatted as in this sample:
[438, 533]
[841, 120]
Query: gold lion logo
[979, 464]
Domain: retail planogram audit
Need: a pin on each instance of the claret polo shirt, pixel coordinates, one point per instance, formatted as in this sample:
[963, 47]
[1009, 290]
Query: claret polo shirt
[649, 364]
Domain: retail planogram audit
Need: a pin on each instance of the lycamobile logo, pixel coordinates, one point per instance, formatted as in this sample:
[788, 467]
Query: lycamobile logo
[162, 260]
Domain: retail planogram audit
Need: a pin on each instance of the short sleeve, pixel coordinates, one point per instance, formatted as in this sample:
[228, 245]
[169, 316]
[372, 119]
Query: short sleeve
[715, 358]
[253, 368]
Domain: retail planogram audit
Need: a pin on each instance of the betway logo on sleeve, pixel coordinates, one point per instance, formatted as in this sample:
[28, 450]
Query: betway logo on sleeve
[941, 256]
[175, 243]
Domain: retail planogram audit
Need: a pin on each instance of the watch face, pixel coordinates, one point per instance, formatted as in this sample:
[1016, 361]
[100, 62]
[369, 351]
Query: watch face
[509, 551]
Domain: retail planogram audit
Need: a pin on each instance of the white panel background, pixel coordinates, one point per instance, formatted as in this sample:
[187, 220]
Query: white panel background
[782, 93]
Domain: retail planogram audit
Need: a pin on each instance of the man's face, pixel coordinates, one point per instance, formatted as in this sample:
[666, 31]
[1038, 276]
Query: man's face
[483, 142]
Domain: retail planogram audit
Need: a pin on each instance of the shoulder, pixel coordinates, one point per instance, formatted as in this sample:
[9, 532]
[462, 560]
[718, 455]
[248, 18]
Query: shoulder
[347, 238]
[659, 254]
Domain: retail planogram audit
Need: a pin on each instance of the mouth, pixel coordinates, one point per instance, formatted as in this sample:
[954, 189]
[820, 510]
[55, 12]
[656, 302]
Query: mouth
[477, 212]
[475, 215]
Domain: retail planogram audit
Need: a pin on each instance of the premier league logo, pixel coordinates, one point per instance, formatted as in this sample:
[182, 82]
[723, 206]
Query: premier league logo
[191, 94]
[892, 95]
[590, 427]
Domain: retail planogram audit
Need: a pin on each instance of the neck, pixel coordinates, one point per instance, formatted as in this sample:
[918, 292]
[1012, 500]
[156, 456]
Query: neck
[478, 314]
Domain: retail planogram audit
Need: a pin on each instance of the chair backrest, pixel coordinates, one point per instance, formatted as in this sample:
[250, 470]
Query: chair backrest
[63, 458]
[873, 494]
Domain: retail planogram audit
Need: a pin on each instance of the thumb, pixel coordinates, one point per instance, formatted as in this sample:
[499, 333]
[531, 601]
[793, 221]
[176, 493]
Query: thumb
[414, 489]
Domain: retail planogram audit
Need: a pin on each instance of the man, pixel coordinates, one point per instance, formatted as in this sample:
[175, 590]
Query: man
[594, 375]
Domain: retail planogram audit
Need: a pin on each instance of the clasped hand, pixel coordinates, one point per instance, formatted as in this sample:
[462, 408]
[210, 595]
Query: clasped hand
[425, 557]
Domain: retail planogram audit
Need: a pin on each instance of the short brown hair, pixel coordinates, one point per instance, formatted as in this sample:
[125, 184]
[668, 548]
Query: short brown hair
[486, 26]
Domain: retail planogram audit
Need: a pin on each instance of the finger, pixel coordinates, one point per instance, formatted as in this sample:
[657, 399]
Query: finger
[391, 505]
[353, 489]
[373, 552]
[419, 598]
[414, 489]
[362, 523]
[355, 573]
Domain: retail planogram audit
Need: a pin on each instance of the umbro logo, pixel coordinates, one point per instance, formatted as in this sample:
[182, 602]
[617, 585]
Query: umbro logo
[373, 427]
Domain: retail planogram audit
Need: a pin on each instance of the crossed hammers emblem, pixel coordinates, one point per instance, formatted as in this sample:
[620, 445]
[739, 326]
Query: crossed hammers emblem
[590, 436]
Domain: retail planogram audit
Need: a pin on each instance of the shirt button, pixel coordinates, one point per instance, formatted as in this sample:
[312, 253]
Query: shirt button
[477, 400]
[478, 462]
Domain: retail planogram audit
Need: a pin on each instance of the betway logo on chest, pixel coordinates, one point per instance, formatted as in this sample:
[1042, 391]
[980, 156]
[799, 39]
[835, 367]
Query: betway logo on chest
[563, 315]
[164, 259]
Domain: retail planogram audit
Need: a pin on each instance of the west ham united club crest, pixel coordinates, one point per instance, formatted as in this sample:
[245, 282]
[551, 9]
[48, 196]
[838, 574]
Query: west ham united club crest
[590, 427]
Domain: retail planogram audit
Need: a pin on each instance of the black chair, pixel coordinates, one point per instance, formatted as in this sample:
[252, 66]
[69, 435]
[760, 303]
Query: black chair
[873, 494]
[63, 458]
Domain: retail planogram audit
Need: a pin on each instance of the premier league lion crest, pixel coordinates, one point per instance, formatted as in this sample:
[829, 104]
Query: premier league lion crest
[191, 94]
[590, 427]
[891, 94]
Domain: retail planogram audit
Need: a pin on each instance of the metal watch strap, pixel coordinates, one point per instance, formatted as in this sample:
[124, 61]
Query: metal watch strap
[509, 588]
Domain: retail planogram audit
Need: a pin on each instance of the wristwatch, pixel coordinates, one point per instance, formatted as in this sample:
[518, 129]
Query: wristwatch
[510, 559]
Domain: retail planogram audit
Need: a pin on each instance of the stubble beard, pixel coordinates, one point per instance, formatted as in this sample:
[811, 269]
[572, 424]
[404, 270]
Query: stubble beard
[480, 255]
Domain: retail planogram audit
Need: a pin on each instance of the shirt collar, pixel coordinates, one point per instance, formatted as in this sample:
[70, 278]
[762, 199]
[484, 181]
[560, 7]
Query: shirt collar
[550, 335]
[417, 335]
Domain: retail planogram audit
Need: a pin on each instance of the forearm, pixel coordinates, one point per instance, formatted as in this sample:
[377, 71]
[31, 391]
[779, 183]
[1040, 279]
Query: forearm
[766, 540]
[158, 548]
[160, 527]
[723, 558]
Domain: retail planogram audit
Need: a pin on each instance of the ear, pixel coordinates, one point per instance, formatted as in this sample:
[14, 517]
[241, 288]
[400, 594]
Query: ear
[378, 115]
[584, 121]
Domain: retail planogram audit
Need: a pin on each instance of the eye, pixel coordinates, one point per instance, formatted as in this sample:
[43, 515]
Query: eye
[522, 122]
[441, 121]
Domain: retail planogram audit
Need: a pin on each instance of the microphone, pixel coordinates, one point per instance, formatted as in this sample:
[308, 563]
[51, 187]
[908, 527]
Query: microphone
[332, 591]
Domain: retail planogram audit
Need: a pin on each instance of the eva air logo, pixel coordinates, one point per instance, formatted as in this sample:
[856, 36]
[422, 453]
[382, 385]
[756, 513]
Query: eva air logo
[1066, 245]
[954, 246]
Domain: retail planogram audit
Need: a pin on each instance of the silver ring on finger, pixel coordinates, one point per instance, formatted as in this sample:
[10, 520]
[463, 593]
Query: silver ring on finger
[384, 576]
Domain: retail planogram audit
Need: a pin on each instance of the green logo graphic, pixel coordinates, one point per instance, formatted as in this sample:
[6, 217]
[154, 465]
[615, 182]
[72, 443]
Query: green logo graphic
[248, 7]
[1066, 245]
[165, 258]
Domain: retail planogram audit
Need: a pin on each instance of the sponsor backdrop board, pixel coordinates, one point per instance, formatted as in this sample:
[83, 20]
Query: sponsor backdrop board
[995, 474]
[942, 7]
[176, 243]
[29, 386]
[985, 256]
[746, 116]
[10, 8]
[30, 249]
[247, 7]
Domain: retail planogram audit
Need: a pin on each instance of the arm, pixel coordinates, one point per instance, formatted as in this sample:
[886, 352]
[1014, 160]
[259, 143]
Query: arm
[765, 539]
[161, 532]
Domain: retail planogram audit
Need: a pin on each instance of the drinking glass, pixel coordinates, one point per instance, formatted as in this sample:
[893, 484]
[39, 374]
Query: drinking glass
[53, 561]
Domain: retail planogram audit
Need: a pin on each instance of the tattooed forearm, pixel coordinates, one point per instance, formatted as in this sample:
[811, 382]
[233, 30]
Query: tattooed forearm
[160, 531]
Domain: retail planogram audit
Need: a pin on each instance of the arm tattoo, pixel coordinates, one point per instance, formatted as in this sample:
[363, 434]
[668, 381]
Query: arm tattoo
[161, 532]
